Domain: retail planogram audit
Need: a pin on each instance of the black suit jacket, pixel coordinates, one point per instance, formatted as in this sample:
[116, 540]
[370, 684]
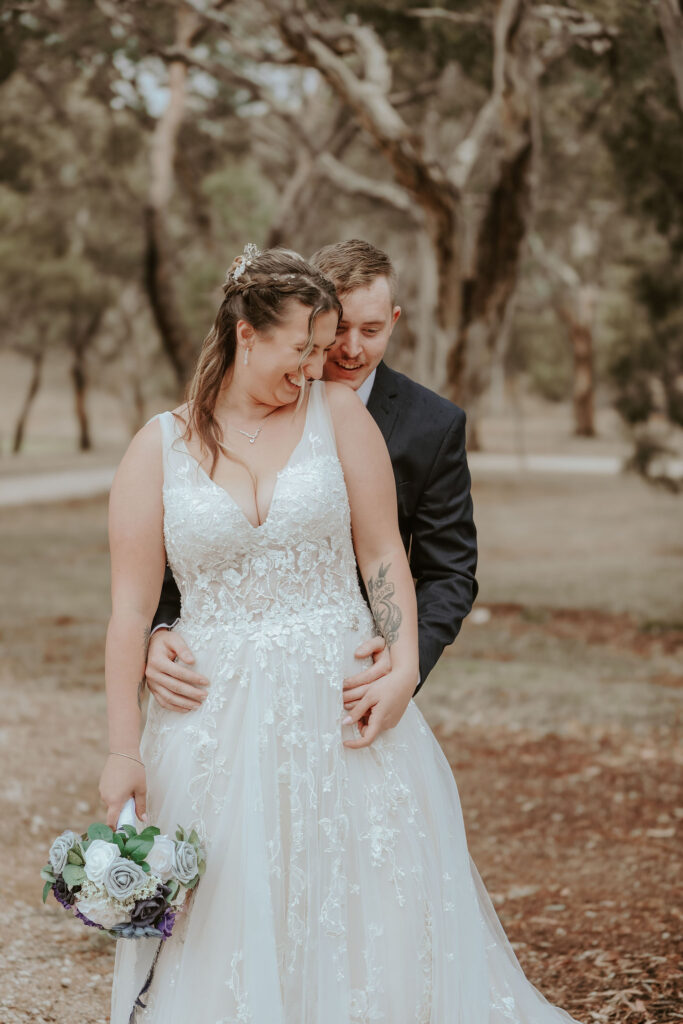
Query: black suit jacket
[425, 435]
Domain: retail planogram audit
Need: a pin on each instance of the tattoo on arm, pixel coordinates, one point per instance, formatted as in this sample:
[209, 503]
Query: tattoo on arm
[145, 647]
[386, 613]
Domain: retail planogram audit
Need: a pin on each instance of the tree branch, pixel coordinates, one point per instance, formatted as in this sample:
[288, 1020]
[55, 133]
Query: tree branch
[440, 13]
[347, 180]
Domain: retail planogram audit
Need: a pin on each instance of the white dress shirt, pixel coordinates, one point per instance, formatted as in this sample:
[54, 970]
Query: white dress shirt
[364, 390]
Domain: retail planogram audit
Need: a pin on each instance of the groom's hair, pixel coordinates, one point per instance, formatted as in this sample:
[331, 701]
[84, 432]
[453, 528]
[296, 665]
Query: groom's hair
[354, 264]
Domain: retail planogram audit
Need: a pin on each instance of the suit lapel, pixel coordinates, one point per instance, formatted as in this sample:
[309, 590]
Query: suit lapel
[382, 404]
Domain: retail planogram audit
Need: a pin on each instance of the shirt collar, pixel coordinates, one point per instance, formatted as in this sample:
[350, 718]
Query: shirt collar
[364, 390]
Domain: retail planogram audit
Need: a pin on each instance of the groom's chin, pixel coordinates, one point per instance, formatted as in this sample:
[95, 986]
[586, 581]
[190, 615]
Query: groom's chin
[352, 378]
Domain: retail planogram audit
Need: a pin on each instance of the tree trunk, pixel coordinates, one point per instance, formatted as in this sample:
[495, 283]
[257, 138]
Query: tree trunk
[488, 291]
[671, 23]
[159, 270]
[578, 318]
[33, 388]
[79, 379]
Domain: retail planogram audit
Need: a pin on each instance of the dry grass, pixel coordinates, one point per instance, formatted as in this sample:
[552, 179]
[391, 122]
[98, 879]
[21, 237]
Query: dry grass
[559, 714]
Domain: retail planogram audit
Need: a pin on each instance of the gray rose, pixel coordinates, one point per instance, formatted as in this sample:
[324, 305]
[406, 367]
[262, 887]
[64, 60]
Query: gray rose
[59, 851]
[123, 877]
[185, 862]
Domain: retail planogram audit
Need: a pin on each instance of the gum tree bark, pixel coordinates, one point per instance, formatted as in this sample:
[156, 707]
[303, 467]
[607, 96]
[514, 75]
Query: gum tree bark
[159, 251]
[671, 23]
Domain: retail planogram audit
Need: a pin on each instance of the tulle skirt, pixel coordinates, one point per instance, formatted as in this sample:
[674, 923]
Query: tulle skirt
[338, 886]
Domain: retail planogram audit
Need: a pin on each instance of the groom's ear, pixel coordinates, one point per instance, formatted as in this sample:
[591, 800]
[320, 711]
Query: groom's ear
[395, 314]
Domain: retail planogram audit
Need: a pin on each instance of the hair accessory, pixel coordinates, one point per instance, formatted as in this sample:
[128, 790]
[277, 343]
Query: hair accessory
[251, 252]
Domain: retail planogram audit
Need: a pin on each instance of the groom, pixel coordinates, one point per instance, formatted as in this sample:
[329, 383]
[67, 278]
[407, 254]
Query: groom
[425, 435]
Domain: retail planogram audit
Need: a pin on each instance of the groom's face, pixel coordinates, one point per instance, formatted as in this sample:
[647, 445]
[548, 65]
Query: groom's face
[363, 333]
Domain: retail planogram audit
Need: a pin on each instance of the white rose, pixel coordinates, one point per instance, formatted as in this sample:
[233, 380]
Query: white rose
[161, 857]
[100, 911]
[98, 857]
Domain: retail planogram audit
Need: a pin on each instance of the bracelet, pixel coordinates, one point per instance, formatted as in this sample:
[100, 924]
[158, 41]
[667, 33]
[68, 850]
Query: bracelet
[116, 753]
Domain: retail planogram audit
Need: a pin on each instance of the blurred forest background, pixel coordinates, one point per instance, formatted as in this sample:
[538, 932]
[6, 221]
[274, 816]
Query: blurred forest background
[522, 162]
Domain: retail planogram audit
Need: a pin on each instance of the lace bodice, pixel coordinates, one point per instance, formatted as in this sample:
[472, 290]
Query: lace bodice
[293, 572]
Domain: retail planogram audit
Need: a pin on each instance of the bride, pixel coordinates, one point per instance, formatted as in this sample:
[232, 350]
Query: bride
[338, 887]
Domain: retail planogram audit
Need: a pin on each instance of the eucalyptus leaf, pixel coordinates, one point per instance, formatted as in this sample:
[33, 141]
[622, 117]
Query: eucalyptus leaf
[47, 873]
[144, 865]
[129, 830]
[193, 838]
[73, 875]
[74, 857]
[46, 889]
[180, 834]
[119, 840]
[100, 831]
[138, 845]
[150, 832]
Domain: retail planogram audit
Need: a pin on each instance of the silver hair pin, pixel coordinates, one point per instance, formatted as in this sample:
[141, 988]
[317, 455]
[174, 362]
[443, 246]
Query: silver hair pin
[251, 252]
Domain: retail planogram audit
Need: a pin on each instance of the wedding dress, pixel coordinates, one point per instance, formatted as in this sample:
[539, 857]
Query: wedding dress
[338, 887]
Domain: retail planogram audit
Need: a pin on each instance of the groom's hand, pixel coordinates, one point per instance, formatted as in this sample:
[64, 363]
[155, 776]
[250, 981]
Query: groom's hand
[355, 687]
[174, 686]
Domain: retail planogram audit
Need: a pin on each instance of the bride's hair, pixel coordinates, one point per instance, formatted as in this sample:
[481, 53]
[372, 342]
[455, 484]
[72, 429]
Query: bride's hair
[258, 288]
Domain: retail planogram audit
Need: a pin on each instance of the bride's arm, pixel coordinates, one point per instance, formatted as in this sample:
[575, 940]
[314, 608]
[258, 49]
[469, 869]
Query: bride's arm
[381, 557]
[137, 568]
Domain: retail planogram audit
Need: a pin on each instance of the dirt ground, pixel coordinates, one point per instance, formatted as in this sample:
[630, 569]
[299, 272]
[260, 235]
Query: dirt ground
[559, 707]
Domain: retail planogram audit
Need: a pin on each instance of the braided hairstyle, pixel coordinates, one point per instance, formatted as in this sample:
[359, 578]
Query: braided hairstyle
[258, 288]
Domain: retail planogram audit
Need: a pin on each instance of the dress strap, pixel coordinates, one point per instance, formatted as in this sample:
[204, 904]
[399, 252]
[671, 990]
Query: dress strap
[172, 452]
[320, 427]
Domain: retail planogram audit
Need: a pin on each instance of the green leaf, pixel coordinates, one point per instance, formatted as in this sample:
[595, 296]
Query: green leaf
[191, 885]
[47, 873]
[46, 889]
[74, 857]
[129, 830]
[138, 845]
[73, 875]
[100, 831]
[150, 832]
[193, 838]
[144, 865]
[180, 834]
[201, 867]
[174, 886]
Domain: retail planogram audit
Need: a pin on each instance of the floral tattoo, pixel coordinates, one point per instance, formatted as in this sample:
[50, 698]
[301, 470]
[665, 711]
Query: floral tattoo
[386, 612]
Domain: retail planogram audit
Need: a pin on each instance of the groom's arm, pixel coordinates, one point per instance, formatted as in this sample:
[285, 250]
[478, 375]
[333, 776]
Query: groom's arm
[168, 612]
[443, 554]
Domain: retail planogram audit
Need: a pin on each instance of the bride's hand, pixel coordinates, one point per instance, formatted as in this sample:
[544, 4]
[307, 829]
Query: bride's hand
[381, 708]
[122, 778]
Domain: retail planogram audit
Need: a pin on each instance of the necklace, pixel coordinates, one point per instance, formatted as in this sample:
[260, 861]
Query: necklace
[250, 437]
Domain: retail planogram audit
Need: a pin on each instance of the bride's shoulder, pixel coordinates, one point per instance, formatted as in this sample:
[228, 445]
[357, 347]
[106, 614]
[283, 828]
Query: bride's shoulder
[342, 400]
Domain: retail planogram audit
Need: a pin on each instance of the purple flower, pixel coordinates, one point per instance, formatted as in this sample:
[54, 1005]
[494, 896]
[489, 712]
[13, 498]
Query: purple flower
[165, 925]
[150, 911]
[63, 894]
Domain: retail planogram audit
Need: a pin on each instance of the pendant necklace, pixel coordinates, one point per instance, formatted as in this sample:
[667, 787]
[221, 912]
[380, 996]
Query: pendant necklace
[250, 437]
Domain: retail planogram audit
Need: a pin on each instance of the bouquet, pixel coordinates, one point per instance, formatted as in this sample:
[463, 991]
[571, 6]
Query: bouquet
[130, 884]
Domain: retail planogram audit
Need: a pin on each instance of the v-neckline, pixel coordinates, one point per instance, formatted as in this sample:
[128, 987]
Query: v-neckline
[279, 473]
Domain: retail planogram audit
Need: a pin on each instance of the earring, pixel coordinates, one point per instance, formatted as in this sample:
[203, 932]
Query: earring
[246, 356]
